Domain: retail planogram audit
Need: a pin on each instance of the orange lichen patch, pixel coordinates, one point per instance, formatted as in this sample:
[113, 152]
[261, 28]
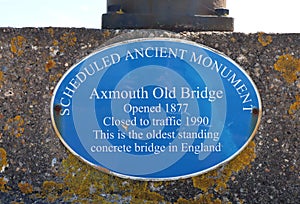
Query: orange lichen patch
[106, 33]
[288, 66]
[88, 184]
[1, 78]
[69, 38]
[83, 181]
[51, 32]
[233, 40]
[55, 42]
[264, 39]
[16, 45]
[50, 65]
[51, 190]
[25, 187]
[3, 160]
[15, 126]
[3, 185]
[184, 201]
[55, 78]
[218, 178]
[295, 106]
[140, 192]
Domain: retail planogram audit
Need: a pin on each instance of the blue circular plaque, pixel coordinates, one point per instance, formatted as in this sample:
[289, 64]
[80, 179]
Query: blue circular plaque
[156, 109]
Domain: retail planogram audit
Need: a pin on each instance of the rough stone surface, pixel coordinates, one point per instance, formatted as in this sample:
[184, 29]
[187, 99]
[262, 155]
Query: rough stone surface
[33, 59]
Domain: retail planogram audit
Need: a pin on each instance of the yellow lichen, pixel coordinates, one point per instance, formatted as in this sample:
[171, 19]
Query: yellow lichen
[55, 78]
[55, 42]
[51, 32]
[295, 106]
[51, 187]
[69, 38]
[106, 33]
[288, 66]
[3, 185]
[25, 188]
[264, 39]
[87, 184]
[1, 78]
[184, 201]
[82, 183]
[16, 45]
[15, 126]
[233, 40]
[218, 178]
[51, 190]
[50, 64]
[140, 192]
[3, 159]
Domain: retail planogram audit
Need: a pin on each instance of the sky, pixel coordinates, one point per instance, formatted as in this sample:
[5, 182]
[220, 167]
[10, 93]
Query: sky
[270, 16]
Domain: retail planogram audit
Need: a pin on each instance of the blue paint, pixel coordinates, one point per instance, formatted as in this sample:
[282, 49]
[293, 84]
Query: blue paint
[131, 108]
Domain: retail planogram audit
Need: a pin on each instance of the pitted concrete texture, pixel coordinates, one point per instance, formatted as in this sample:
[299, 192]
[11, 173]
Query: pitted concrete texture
[36, 168]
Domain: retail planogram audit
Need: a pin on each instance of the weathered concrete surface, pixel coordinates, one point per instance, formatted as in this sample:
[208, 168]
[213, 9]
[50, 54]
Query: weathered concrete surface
[36, 167]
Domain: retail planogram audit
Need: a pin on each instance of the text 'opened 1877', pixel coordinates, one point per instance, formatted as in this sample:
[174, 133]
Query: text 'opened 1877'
[156, 109]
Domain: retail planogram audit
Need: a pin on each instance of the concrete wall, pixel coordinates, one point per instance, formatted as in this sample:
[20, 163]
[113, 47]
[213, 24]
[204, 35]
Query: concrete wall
[36, 167]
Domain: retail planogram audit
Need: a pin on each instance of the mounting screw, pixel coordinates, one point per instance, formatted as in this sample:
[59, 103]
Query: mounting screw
[113, 8]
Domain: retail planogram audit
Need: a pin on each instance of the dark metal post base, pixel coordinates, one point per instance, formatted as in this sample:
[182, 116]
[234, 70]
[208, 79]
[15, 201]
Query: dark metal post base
[172, 22]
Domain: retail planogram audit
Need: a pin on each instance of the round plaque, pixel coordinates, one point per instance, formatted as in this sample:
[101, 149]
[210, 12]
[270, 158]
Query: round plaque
[156, 109]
